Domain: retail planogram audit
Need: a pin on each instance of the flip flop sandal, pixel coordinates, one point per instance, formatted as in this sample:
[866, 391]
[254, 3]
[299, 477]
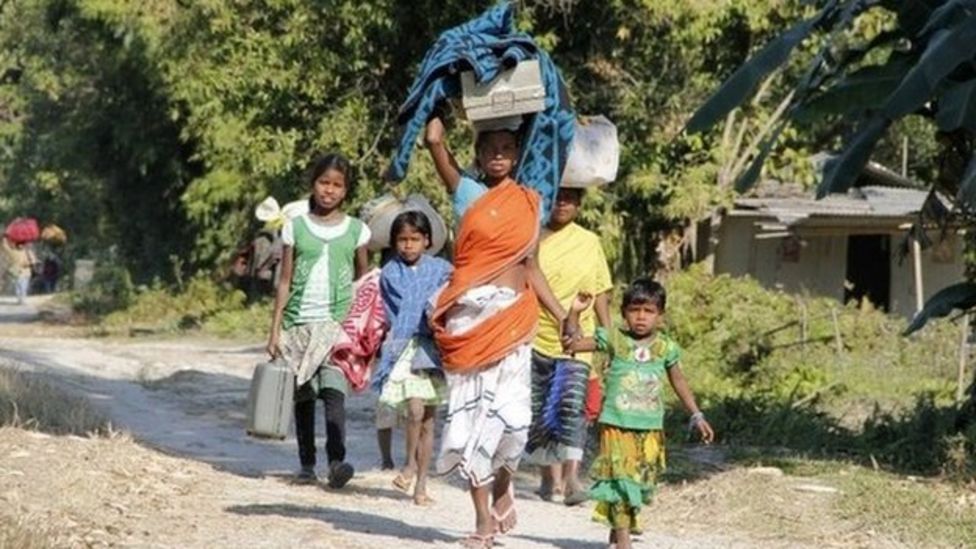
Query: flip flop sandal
[402, 483]
[501, 518]
[478, 541]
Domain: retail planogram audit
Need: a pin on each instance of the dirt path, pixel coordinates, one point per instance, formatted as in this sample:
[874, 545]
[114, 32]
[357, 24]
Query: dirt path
[186, 398]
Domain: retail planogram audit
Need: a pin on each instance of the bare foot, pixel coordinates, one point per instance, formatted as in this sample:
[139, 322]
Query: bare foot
[423, 500]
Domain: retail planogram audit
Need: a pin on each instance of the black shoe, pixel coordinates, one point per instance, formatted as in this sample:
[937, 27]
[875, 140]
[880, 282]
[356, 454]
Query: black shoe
[306, 475]
[339, 474]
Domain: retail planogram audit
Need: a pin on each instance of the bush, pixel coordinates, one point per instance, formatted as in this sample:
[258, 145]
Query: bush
[773, 369]
[160, 309]
[110, 290]
[253, 321]
[928, 439]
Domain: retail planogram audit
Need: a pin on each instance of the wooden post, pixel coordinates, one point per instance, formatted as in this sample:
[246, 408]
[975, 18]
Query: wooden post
[837, 340]
[803, 327]
[963, 360]
[917, 260]
[904, 158]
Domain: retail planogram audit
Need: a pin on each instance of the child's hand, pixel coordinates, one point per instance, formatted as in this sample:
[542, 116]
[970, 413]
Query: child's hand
[704, 429]
[582, 302]
[273, 349]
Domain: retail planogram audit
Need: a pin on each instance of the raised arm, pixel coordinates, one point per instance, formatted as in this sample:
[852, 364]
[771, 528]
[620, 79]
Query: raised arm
[444, 162]
[281, 298]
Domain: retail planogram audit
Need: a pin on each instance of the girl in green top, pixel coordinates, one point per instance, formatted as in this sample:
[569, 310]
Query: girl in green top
[324, 252]
[631, 422]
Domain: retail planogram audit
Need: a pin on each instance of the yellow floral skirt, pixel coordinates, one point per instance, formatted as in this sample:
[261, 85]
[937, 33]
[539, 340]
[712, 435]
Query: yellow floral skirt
[625, 474]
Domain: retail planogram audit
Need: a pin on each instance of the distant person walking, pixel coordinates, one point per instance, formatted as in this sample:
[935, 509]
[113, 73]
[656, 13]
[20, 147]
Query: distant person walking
[19, 260]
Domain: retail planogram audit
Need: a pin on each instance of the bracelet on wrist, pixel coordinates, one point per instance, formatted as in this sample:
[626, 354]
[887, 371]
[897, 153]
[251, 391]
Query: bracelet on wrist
[695, 419]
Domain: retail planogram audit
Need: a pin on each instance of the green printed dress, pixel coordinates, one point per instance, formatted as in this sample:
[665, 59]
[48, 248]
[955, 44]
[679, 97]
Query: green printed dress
[631, 426]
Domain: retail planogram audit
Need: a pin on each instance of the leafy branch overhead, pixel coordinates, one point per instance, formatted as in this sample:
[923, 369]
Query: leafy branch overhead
[921, 64]
[153, 128]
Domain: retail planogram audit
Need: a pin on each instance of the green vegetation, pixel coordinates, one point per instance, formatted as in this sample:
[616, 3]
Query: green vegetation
[199, 305]
[155, 127]
[778, 371]
[918, 513]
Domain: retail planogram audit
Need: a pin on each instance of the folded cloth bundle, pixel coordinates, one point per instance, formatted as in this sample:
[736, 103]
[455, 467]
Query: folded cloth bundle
[488, 45]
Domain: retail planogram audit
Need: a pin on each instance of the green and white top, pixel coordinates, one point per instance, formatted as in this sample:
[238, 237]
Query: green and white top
[324, 268]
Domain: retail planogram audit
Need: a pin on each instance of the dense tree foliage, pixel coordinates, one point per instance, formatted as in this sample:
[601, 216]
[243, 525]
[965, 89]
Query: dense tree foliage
[151, 128]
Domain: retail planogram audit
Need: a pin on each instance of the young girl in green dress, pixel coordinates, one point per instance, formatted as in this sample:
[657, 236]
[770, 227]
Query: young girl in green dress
[631, 422]
[324, 252]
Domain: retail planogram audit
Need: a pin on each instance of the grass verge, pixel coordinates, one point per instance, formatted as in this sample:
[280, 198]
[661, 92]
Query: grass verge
[29, 402]
[17, 533]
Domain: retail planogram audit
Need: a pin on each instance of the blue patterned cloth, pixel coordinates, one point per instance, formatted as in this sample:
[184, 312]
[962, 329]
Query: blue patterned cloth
[406, 290]
[488, 45]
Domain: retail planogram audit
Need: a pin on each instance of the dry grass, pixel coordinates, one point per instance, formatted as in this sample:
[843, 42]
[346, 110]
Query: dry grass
[917, 513]
[16, 533]
[30, 402]
[794, 502]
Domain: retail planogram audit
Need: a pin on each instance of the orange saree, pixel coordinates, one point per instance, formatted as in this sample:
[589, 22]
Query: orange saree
[498, 231]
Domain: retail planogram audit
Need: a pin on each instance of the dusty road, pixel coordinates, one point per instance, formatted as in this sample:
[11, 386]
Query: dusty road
[186, 398]
[185, 474]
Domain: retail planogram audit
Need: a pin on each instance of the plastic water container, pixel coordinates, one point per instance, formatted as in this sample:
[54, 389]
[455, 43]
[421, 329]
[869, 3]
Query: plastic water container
[594, 155]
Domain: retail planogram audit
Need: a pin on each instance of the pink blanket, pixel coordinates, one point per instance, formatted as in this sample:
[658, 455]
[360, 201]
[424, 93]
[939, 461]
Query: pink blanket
[362, 331]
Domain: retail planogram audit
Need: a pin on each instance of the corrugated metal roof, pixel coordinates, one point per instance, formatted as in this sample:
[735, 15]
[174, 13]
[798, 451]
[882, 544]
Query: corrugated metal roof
[872, 201]
[892, 201]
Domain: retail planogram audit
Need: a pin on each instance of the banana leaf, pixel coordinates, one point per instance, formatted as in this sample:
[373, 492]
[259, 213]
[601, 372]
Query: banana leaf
[946, 50]
[946, 13]
[859, 91]
[744, 81]
[967, 186]
[960, 296]
[841, 171]
[957, 107]
[749, 178]
[913, 14]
